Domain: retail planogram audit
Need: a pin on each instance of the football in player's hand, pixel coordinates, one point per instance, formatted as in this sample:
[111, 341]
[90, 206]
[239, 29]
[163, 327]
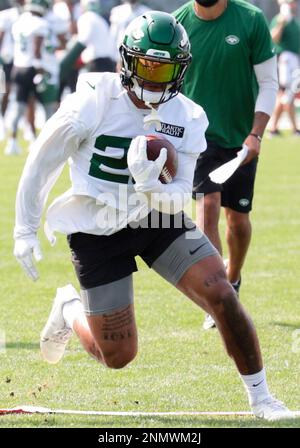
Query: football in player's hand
[154, 144]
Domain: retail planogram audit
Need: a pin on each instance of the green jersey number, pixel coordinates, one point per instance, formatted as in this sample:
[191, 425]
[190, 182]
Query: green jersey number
[98, 160]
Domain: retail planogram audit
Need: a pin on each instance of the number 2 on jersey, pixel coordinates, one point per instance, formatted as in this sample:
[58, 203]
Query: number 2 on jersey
[98, 161]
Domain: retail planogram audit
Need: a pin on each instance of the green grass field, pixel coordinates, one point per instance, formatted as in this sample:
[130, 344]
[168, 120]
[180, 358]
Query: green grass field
[180, 367]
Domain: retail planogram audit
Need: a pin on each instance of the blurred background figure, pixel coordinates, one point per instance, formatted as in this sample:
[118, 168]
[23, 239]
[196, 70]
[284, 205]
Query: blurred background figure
[93, 34]
[285, 31]
[56, 39]
[93, 42]
[47, 84]
[29, 33]
[7, 18]
[69, 11]
[71, 22]
[120, 17]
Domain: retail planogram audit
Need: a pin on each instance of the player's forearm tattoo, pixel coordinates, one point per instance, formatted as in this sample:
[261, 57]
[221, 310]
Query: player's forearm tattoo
[116, 325]
[214, 278]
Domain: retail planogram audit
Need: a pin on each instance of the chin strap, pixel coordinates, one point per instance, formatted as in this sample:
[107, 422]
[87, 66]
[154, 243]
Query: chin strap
[152, 119]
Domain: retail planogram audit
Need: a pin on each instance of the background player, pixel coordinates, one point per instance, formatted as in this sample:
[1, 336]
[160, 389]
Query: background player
[285, 31]
[7, 18]
[29, 32]
[93, 42]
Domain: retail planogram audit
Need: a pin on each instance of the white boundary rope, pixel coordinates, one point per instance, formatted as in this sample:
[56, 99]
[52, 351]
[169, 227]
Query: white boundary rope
[41, 410]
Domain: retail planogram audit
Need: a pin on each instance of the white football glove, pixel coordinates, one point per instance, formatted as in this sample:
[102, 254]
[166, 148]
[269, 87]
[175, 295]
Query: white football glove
[25, 249]
[145, 172]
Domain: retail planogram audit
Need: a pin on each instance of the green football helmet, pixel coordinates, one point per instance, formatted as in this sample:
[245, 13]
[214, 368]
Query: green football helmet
[40, 7]
[155, 54]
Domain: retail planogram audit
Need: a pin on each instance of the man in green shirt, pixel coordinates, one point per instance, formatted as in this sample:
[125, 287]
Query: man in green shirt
[285, 31]
[233, 76]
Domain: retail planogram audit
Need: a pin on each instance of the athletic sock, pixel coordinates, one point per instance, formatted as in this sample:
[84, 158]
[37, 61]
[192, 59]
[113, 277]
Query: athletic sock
[72, 310]
[256, 386]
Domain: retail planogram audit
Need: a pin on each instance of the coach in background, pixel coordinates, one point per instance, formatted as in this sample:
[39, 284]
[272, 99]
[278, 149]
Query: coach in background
[233, 75]
[285, 31]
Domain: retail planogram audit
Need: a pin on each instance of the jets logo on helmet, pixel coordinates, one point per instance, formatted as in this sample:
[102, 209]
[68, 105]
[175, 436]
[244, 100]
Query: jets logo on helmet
[137, 34]
[155, 54]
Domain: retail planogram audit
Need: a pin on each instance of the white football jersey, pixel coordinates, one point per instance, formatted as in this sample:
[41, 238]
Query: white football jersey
[7, 18]
[94, 128]
[61, 9]
[93, 32]
[120, 17]
[24, 31]
[56, 26]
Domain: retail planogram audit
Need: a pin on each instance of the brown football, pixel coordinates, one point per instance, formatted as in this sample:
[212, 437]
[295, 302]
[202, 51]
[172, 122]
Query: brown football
[154, 145]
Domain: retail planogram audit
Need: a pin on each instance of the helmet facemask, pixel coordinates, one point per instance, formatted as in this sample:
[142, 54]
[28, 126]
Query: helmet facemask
[152, 72]
[142, 73]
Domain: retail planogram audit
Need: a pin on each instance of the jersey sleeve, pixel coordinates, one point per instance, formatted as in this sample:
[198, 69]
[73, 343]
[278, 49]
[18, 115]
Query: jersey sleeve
[262, 46]
[84, 30]
[195, 142]
[59, 139]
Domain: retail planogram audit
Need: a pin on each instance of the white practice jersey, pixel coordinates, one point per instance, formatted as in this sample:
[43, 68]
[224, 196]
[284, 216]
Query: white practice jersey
[120, 17]
[61, 9]
[56, 27]
[26, 28]
[93, 32]
[7, 18]
[93, 128]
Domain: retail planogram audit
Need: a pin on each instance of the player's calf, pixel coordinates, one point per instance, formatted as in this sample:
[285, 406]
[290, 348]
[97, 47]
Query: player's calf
[115, 335]
[119, 359]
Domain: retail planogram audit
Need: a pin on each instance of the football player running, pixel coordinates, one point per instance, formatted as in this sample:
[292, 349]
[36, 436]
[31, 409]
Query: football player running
[101, 129]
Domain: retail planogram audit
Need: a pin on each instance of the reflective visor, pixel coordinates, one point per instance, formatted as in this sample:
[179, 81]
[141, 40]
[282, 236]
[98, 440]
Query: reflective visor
[156, 71]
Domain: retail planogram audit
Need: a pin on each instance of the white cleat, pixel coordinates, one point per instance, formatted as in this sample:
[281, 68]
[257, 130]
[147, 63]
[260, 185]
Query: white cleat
[208, 322]
[12, 148]
[272, 410]
[56, 332]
